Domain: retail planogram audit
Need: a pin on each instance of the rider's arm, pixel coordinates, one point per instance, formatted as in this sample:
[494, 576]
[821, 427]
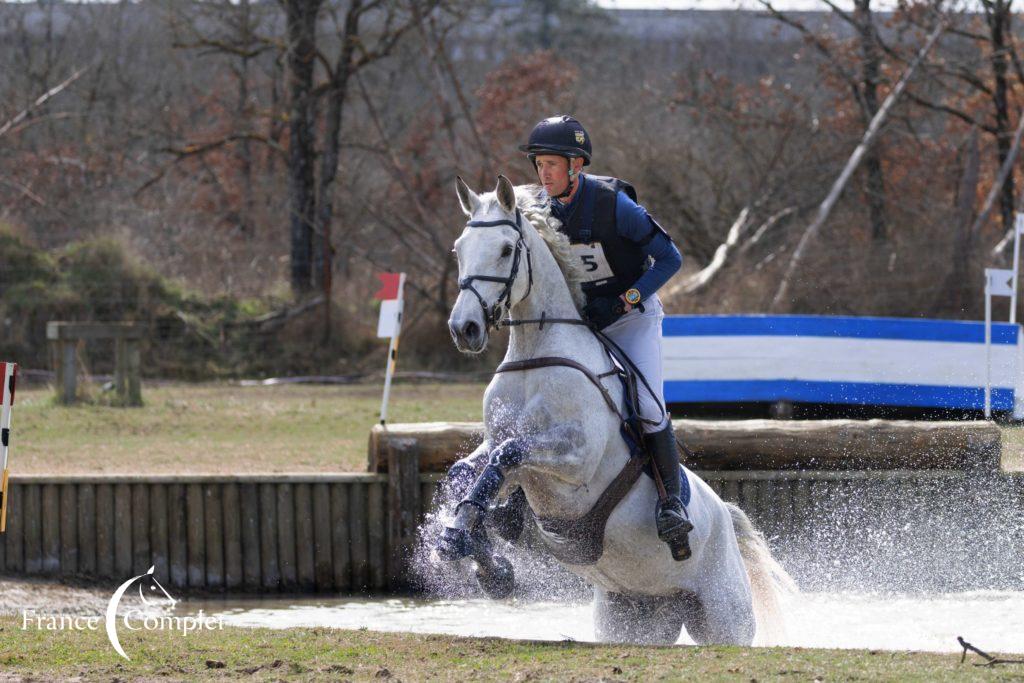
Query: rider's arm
[634, 223]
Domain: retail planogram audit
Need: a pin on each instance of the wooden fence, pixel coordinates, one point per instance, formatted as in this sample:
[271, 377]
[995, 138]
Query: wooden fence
[300, 533]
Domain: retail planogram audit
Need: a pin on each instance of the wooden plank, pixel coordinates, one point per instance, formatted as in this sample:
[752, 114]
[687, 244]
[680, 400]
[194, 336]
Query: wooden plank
[377, 536]
[32, 529]
[768, 507]
[250, 520]
[286, 536]
[68, 530]
[123, 530]
[403, 515]
[51, 528]
[213, 505]
[322, 570]
[357, 530]
[158, 532]
[87, 529]
[304, 538]
[232, 537]
[270, 566]
[427, 490]
[196, 535]
[801, 505]
[142, 557]
[14, 537]
[62, 330]
[105, 531]
[731, 491]
[340, 550]
[177, 534]
[751, 444]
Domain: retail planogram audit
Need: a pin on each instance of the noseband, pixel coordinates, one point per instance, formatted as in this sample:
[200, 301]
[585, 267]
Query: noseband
[492, 315]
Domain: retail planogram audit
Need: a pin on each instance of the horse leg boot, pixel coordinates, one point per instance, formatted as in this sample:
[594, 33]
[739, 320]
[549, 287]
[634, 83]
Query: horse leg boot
[670, 516]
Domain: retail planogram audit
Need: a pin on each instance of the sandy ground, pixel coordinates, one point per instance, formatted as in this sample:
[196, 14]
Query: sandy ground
[17, 595]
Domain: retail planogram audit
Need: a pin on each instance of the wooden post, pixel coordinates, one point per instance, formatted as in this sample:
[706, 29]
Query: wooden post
[121, 371]
[403, 513]
[134, 372]
[69, 370]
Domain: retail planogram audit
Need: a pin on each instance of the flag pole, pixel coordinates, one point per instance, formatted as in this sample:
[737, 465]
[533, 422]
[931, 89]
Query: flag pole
[10, 374]
[988, 346]
[1018, 226]
[392, 351]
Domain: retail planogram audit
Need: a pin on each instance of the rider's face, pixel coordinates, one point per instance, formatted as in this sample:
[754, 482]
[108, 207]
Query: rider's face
[553, 173]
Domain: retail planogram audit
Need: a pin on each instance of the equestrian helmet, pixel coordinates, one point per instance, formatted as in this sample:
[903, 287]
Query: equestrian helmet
[560, 135]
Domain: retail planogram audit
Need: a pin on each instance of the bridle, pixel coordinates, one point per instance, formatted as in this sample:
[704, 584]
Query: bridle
[492, 315]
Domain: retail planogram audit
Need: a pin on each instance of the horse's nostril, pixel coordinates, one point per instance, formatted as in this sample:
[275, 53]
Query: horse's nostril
[470, 330]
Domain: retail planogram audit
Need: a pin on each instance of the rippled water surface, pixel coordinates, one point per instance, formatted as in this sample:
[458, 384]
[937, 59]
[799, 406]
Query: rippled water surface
[992, 620]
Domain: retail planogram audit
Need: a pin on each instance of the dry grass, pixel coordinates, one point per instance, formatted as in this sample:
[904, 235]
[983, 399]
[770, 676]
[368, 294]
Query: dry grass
[220, 428]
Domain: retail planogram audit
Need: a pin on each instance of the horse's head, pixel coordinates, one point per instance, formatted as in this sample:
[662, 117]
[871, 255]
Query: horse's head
[495, 270]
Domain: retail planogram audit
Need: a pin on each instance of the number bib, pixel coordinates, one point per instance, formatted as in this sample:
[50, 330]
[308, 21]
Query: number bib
[592, 261]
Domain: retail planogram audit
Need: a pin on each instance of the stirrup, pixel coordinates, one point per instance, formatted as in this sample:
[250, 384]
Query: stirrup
[676, 536]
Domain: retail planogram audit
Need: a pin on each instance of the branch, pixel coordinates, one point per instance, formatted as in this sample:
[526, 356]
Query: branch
[851, 165]
[41, 100]
[1004, 172]
[990, 661]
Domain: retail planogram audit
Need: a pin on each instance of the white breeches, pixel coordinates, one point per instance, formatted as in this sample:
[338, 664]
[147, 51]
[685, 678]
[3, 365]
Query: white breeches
[639, 335]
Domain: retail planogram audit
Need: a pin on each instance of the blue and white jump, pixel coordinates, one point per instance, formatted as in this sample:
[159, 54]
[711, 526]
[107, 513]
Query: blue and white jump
[901, 362]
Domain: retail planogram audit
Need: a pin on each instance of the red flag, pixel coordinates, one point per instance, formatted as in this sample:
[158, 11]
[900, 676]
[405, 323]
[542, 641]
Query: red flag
[389, 286]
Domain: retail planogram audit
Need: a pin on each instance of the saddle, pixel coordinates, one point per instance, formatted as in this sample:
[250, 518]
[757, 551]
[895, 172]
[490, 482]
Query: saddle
[580, 541]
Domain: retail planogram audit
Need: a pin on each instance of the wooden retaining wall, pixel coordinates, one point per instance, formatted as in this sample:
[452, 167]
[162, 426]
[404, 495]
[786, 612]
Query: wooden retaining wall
[273, 533]
[303, 533]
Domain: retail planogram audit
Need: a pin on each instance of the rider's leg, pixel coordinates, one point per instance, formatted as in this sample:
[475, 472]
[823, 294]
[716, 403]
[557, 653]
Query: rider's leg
[639, 335]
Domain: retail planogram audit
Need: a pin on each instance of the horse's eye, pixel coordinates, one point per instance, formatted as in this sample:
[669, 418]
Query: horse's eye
[506, 251]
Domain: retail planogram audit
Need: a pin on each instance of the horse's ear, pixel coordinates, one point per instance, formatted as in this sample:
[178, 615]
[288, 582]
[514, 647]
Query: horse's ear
[506, 194]
[467, 198]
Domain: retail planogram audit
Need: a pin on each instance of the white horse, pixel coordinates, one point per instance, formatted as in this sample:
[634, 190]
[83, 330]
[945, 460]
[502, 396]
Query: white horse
[549, 431]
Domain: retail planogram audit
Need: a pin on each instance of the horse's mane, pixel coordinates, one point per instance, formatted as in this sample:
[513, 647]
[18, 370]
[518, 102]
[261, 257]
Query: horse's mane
[532, 201]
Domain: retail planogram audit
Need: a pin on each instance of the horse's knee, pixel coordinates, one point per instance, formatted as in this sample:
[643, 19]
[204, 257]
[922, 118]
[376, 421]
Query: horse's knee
[458, 481]
[719, 622]
[643, 620]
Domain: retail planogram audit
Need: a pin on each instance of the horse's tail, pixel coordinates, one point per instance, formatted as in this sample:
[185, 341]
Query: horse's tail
[769, 582]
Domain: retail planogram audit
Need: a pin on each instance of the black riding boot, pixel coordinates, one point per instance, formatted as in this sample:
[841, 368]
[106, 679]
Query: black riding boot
[671, 519]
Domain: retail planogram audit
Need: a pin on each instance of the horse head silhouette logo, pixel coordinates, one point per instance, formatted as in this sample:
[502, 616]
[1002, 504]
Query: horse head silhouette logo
[157, 597]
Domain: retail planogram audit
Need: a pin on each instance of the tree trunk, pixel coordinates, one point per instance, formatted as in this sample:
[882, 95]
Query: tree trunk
[301, 20]
[874, 186]
[997, 13]
[958, 283]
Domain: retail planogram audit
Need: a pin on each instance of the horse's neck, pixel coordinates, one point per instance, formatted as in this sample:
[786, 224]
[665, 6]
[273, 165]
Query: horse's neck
[549, 297]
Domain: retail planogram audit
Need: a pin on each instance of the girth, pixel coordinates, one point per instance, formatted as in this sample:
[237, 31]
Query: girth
[581, 541]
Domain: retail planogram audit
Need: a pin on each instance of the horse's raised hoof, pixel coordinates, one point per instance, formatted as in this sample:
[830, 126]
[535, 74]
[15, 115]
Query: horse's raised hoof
[454, 544]
[499, 581]
[508, 519]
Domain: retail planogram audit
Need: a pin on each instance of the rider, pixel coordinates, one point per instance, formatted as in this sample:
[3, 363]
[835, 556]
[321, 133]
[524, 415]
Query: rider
[627, 257]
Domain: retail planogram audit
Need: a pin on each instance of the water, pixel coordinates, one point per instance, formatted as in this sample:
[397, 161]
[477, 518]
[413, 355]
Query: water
[992, 620]
[889, 565]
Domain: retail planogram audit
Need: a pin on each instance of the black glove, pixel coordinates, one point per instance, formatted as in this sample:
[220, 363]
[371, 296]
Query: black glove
[602, 311]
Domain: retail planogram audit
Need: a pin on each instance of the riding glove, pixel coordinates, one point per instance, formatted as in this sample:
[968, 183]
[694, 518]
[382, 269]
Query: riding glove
[602, 311]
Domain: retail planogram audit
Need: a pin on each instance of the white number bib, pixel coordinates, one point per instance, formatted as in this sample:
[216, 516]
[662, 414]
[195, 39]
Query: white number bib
[593, 261]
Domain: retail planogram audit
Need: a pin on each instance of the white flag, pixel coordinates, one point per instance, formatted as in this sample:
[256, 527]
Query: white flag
[1000, 281]
[387, 324]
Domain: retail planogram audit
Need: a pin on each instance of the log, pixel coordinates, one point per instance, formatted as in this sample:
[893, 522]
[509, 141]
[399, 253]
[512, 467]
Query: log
[750, 444]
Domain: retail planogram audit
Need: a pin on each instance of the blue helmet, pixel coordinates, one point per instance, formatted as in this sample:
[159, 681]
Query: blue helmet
[560, 135]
